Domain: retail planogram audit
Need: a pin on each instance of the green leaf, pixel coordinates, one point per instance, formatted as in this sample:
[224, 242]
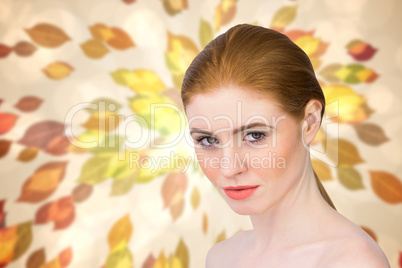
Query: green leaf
[206, 33]
[350, 178]
[94, 170]
[123, 186]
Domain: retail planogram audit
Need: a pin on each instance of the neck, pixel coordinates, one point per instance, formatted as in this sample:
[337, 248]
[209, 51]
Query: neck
[293, 220]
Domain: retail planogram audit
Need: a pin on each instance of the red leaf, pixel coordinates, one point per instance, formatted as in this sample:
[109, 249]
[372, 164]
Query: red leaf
[360, 50]
[81, 192]
[400, 259]
[24, 49]
[28, 104]
[65, 257]
[4, 147]
[61, 212]
[58, 145]
[7, 121]
[4, 50]
[129, 1]
[40, 134]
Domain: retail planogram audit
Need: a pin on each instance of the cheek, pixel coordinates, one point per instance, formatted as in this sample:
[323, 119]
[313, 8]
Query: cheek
[208, 164]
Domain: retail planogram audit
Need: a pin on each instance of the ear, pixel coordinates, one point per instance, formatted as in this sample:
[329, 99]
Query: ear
[311, 121]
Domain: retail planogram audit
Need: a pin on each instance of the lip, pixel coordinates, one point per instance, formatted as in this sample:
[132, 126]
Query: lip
[240, 192]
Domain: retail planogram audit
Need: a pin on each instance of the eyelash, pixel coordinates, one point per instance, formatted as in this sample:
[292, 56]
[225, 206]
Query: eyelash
[199, 140]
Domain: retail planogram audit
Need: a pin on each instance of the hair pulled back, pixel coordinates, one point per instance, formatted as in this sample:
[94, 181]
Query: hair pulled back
[259, 59]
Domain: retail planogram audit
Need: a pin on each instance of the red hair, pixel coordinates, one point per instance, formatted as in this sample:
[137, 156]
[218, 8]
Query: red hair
[261, 59]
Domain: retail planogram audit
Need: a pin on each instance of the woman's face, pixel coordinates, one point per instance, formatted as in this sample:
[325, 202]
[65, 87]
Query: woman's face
[247, 147]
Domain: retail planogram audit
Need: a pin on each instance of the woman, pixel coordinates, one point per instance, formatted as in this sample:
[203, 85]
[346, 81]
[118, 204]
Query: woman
[254, 106]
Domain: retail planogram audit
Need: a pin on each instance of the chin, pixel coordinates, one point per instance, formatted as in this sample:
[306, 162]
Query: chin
[245, 210]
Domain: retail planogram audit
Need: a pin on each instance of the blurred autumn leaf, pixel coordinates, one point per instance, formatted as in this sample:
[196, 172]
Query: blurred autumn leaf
[58, 70]
[47, 35]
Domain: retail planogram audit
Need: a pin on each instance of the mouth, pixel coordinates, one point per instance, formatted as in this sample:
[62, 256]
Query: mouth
[240, 192]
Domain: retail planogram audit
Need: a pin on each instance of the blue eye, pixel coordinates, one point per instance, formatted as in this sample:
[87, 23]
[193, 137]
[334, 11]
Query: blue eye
[207, 142]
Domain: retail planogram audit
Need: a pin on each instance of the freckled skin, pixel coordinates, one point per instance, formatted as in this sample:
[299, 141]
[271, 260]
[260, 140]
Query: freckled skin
[293, 226]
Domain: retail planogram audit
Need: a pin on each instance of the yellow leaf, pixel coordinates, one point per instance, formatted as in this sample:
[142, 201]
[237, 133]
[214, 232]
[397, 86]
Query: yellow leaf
[182, 254]
[195, 198]
[180, 53]
[220, 237]
[105, 121]
[322, 170]
[52, 264]
[172, 7]
[47, 35]
[161, 261]
[119, 257]
[308, 43]
[224, 13]
[94, 49]
[350, 178]
[58, 70]
[206, 33]
[350, 108]
[28, 154]
[343, 153]
[174, 262]
[283, 17]
[101, 32]
[120, 232]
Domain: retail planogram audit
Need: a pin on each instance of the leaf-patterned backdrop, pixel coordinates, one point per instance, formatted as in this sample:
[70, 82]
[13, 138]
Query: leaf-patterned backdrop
[83, 186]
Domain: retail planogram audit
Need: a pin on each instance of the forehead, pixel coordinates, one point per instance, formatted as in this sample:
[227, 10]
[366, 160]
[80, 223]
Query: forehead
[238, 106]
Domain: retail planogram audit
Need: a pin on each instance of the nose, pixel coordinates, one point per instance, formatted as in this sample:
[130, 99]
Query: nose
[232, 162]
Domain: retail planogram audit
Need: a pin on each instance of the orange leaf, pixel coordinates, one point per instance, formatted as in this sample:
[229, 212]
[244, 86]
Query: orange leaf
[120, 39]
[61, 211]
[58, 70]
[386, 186]
[58, 145]
[5, 50]
[121, 231]
[81, 192]
[94, 49]
[43, 182]
[28, 103]
[204, 223]
[36, 259]
[4, 147]
[40, 134]
[129, 1]
[47, 35]
[8, 240]
[174, 184]
[65, 257]
[7, 121]
[28, 154]
[24, 49]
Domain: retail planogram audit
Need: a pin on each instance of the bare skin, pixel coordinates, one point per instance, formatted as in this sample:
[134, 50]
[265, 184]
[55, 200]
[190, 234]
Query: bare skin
[293, 226]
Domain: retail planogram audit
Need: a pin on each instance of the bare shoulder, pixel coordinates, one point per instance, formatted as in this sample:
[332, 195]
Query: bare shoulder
[226, 247]
[355, 251]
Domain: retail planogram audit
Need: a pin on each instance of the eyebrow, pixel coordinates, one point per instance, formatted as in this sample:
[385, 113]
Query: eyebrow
[242, 128]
